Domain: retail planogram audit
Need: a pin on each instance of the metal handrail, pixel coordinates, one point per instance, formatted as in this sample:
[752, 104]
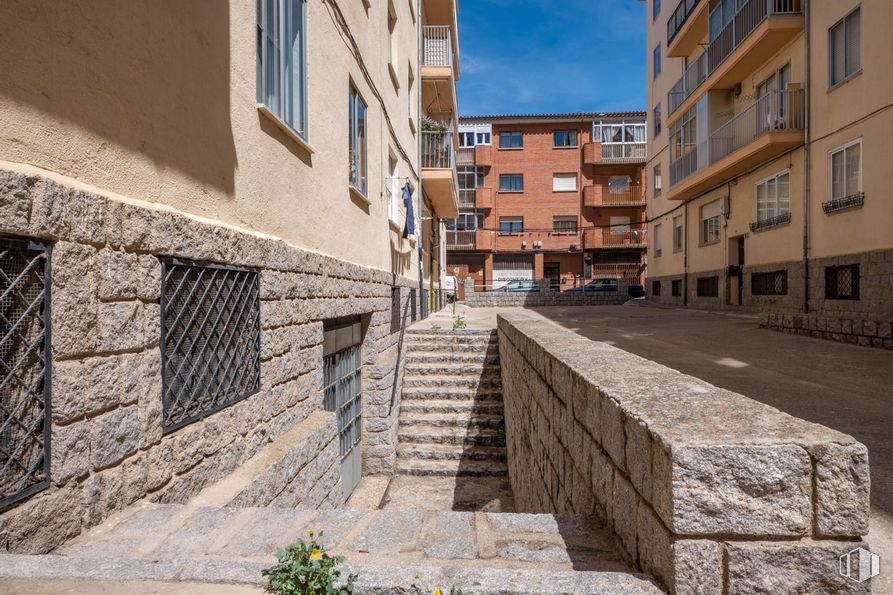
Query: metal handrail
[624, 152]
[437, 49]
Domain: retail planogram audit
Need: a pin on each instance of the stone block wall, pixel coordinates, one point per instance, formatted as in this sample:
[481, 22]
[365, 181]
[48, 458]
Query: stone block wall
[708, 491]
[107, 444]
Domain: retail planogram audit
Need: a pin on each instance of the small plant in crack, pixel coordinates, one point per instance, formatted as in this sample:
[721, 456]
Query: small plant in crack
[305, 568]
[458, 321]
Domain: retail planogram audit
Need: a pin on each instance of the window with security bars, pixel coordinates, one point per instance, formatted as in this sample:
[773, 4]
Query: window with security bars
[24, 369]
[842, 283]
[342, 394]
[655, 288]
[210, 339]
[772, 283]
[676, 288]
[708, 286]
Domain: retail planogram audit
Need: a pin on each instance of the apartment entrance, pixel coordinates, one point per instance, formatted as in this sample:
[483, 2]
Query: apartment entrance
[466, 267]
[342, 393]
[736, 271]
[552, 272]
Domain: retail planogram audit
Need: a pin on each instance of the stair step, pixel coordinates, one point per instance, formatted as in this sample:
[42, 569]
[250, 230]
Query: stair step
[451, 420]
[451, 357]
[451, 347]
[466, 407]
[450, 452]
[451, 468]
[452, 381]
[452, 369]
[465, 332]
[430, 434]
[424, 393]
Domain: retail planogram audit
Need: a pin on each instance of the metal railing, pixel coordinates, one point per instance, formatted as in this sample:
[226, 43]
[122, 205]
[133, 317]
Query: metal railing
[460, 240]
[679, 17]
[629, 272]
[465, 155]
[466, 198]
[437, 49]
[631, 196]
[750, 16]
[437, 150]
[770, 222]
[624, 237]
[624, 152]
[777, 110]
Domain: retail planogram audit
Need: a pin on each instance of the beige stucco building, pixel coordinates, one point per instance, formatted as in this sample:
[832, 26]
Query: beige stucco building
[767, 126]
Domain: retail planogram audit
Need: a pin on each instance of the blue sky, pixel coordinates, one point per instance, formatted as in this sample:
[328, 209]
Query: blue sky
[534, 56]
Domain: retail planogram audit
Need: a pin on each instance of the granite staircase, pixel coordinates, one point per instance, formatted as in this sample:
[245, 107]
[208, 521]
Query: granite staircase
[451, 418]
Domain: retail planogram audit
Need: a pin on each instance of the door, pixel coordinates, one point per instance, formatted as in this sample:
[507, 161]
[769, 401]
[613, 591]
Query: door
[342, 394]
[552, 272]
[741, 269]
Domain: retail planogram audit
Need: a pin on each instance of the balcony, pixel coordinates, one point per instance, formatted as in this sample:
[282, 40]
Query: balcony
[483, 198]
[770, 126]
[539, 241]
[632, 273]
[440, 69]
[758, 31]
[613, 153]
[483, 155]
[608, 238]
[466, 199]
[599, 195]
[686, 27]
[439, 173]
[465, 156]
[469, 240]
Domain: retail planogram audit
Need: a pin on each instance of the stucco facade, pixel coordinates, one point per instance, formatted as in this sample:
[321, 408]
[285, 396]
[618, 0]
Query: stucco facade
[764, 107]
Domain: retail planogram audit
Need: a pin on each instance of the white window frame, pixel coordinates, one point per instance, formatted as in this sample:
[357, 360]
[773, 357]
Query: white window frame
[678, 223]
[556, 219]
[843, 23]
[360, 184]
[657, 179]
[710, 238]
[277, 105]
[839, 149]
[564, 176]
[756, 196]
[657, 239]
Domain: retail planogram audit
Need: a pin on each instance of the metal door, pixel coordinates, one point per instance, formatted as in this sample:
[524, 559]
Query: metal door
[342, 393]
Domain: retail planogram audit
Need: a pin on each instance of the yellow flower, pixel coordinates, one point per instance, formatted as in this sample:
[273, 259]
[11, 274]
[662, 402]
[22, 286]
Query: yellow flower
[310, 532]
[315, 554]
[437, 592]
[416, 576]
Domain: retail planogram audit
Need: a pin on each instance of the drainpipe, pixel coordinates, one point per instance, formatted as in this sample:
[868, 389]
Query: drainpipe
[685, 257]
[806, 163]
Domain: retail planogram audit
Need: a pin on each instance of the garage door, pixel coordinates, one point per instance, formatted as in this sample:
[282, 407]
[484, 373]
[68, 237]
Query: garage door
[509, 267]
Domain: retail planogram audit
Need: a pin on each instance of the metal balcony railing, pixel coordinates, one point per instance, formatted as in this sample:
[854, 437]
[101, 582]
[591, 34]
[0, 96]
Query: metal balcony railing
[466, 198]
[624, 152]
[686, 165]
[750, 16]
[624, 237]
[437, 49]
[630, 272]
[465, 156]
[777, 110]
[679, 17]
[437, 150]
[631, 196]
[460, 240]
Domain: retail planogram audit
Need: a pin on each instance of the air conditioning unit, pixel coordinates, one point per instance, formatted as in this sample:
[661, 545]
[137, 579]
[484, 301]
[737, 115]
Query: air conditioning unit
[523, 243]
[726, 206]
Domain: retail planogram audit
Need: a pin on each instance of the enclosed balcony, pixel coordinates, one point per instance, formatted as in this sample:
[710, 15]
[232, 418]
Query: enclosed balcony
[440, 69]
[469, 240]
[615, 238]
[756, 32]
[612, 153]
[439, 172]
[602, 195]
[769, 127]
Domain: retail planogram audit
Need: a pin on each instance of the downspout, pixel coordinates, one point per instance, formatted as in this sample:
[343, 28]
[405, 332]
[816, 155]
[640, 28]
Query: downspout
[685, 257]
[806, 162]
[421, 191]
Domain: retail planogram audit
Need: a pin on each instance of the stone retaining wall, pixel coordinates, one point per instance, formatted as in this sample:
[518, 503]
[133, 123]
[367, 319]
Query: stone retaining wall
[868, 333]
[705, 489]
[107, 445]
[490, 299]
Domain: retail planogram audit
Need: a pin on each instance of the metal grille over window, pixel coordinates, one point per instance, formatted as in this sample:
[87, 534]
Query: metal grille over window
[24, 369]
[210, 339]
[842, 283]
[773, 283]
[677, 287]
[342, 394]
[708, 286]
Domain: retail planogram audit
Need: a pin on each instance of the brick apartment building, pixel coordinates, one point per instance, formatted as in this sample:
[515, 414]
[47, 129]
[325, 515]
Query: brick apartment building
[557, 196]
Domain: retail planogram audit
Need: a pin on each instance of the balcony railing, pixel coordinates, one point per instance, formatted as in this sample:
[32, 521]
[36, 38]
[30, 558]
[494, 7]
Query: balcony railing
[438, 46]
[623, 152]
[615, 238]
[466, 198]
[465, 156]
[679, 17]
[601, 195]
[750, 16]
[630, 272]
[774, 112]
[460, 240]
[437, 150]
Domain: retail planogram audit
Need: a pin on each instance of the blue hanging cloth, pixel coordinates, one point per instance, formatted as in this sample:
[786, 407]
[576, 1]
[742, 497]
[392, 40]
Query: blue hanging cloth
[409, 230]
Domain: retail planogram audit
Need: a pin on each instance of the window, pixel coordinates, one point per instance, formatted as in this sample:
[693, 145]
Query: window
[410, 98]
[655, 10]
[710, 225]
[466, 139]
[511, 182]
[656, 63]
[396, 210]
[774, 199]
[655, 288]
[509, 225]
[618, 132]
[846, 170]
[281, 69]
[474, 134]
[511, 140]
[842, 283]
[210, 339]
[564, 138]
[657, 239]
[772, 283]
[708, 286]
[619, 184]
[26, 361]
[470, 177]
[564, 182]
[678, 233]
[658, 182]
[845, 48]
[676, 288]
[483, 138]
[684, 140]
[393, 43]
[656, 116]
[564, 224]
[469, 220]
[357, 108]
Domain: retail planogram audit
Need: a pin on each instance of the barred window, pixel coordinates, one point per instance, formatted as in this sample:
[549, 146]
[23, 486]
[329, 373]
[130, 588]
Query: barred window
[708, 286]
[210, 339]
[655, 288]
[24, 369]
[842, 283]
[772, 283]
[677, 287]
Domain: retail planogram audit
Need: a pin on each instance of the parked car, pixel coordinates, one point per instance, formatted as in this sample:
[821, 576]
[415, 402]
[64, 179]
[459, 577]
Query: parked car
[636, 290]
[519, 285]
[598, 285]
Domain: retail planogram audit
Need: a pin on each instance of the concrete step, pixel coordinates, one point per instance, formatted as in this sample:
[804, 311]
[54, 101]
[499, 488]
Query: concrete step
[450, 468]
[442, 393]
[451, 357]
[431, 434]
[452, 369]
[450, 452]
[467, 408]
[469, 382]
[451, 420]
[434, 345]
[441, 339]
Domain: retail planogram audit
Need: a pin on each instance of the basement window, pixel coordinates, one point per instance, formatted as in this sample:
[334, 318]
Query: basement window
[842, 283]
